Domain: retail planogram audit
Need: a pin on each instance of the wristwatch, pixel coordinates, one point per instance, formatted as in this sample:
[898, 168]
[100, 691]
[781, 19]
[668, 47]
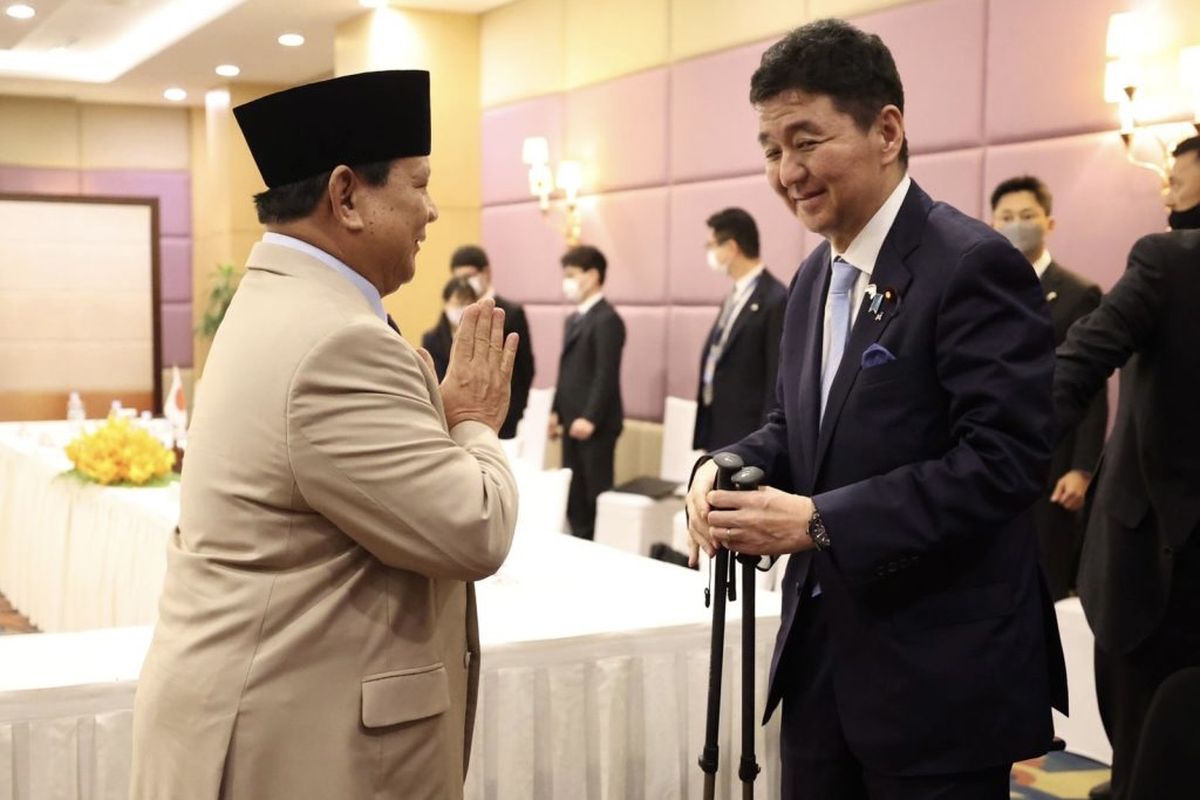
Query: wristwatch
[817, 532]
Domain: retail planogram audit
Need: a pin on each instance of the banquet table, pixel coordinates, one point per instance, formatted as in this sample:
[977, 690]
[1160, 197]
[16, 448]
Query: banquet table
[594, 676]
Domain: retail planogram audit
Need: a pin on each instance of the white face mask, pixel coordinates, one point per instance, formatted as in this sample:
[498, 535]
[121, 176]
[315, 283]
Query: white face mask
[454, 315]
[1025, 235]
[572, 290]
[476, 282]
[715, 264]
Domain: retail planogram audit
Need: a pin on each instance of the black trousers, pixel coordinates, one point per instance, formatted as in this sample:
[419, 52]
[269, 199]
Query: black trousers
[1126, 682]
[816, 761]
[591, 465]
[1060, 541]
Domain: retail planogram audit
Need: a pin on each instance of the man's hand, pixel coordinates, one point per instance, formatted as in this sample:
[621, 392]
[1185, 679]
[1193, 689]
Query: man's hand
[1071, 489]
[581, 429]
[479, 378]
[554, 430]
[763, 523]
[697, 512]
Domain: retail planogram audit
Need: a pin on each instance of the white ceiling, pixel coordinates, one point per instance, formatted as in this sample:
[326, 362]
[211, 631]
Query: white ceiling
[129, 51]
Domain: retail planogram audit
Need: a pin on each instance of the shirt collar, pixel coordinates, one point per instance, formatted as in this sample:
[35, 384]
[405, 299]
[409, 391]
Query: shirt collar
[363, 285]
[750, 277]
[1042, 262]
[586, 305]
[863, 252]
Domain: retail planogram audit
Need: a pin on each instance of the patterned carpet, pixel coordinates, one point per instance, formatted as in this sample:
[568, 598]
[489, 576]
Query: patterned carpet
[1056, 776]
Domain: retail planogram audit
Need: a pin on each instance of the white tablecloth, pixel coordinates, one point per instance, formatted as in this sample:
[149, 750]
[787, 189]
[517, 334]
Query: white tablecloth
[76, 556]
[1082, 731]
[594, 678]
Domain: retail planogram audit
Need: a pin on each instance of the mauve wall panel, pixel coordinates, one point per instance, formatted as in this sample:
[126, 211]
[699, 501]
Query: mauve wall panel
[546, 331]
[952, 177]
[176, 335]
[524, 250]
[687, 332]
[643, 364]
[630, 229]
[618, 129]
[39, 180]
[173, 190]
[504, 129]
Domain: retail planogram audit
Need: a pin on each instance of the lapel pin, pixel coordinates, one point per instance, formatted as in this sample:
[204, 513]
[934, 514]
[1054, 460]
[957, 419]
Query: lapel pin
[754, 306]
[1051, 297]
[889, 296]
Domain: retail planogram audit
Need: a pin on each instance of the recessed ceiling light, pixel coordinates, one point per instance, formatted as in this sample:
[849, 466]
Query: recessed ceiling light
[20, 11]
[175, 94]
[229, 70]
[373, 3]
[291, 40]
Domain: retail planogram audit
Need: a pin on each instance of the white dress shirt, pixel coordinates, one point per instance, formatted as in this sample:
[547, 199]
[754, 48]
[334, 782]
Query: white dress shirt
[586, 305]
[1042, 262]
[742, 289]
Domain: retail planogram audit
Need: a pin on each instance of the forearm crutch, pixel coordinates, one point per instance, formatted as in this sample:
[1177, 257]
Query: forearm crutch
[732, 475]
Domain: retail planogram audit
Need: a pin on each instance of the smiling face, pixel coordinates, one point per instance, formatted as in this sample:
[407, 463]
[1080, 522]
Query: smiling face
[394, 217]
[831, 174]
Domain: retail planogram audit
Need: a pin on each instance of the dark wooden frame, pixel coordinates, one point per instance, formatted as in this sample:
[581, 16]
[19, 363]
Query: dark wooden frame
[155, 261]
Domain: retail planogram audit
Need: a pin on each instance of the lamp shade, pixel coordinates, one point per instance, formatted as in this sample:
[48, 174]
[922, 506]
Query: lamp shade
[570, 177]
[1127, 33]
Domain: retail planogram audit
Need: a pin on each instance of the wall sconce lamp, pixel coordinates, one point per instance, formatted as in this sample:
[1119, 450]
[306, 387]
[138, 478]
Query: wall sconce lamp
[1130, 40]
[545, 184]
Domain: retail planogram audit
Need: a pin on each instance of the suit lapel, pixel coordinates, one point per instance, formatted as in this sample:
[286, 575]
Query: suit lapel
[748, 312]
[890, 273]
[809, 400]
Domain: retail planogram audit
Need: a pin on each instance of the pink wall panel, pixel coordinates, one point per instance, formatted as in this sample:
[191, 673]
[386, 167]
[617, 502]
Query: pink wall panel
[952, 177]
[176, 335]
[175, 270]
[1045, 68]
[173, 190]
[546, 329]
[630, 229]
[643, 364]
[938, 47]
[524, 248]
[686, 334]
[505, 176]
[618, 129]
[39, 180]
[714, 129]
[1102, 204]
[780, 234]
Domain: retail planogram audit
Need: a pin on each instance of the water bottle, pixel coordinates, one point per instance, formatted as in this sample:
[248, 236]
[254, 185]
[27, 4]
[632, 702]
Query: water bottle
[75, 410]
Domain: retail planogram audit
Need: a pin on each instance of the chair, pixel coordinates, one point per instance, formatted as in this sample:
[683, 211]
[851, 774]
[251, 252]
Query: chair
[634, 521]
[1169, 748]
[531, 430]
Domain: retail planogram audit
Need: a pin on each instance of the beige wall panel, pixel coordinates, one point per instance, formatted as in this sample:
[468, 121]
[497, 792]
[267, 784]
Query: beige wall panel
[81, 366]
[39, 133]
[819, 9]
[416, 305]
[612, 38]
[523, 51]
[104, 315]
[134, 137]
[705, 26]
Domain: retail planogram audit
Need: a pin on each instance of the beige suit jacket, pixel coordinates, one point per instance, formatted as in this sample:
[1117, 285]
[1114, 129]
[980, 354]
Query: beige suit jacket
[316, 634]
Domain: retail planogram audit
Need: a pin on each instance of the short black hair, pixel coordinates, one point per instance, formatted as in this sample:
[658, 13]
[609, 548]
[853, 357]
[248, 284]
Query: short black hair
[1190, 145]
[459, 287]
[294, 201]
[469, 255]
[736, 224]
[853, 68]
[1024, 183]
[586, 257]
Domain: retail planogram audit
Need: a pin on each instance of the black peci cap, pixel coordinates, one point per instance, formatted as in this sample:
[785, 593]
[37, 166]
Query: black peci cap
[355, 119]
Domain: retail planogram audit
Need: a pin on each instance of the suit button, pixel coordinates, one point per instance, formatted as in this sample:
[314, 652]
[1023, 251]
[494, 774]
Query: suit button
[467, 660]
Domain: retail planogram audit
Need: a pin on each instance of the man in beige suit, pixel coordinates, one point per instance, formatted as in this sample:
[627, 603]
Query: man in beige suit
[316, 635]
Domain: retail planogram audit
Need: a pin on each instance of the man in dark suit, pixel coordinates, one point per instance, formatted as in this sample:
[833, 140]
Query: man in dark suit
[741, 353]
[917, 654]
[587, 400]
[1139, 578]
[1183, 186]
[470, 262]
[1021, 210]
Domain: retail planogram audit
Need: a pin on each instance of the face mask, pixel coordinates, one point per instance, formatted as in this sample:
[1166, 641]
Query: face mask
[1028, 237]
[572, 289]
[476, 282]
[715, 264]
[1188, 219]
[454, 315]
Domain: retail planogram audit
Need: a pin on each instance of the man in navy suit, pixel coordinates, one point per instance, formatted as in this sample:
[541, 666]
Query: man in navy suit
[917, 655]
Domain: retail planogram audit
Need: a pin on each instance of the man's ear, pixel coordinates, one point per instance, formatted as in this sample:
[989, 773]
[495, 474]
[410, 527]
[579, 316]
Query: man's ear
[890, 125]
[344, 192]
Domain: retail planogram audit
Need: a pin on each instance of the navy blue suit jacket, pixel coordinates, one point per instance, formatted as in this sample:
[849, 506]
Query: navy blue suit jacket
[944, 642]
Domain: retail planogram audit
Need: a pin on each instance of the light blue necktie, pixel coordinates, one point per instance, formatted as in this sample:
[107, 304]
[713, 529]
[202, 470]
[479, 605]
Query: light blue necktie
[840, 287]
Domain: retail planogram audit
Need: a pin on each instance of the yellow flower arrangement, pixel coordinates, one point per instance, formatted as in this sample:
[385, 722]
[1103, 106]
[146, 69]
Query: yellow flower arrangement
[119, 452]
